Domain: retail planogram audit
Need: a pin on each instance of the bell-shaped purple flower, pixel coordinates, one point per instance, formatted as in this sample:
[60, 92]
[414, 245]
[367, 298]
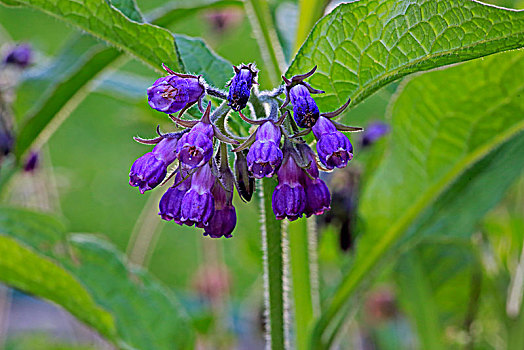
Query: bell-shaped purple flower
[198, 205]
[223, 222]
[264, 156]
[173, 93]
[171, 202]
[148, 171]
[21, 55]
[289, 197]
[333, 147]
[240, 87]
[305, 109]
[195, 148]
[318, 197]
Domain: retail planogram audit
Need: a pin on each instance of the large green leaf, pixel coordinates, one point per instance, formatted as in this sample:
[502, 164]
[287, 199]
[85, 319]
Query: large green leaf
[149, 43]
[26, 267]
[92, 280]
[455, 148]
[363, 45]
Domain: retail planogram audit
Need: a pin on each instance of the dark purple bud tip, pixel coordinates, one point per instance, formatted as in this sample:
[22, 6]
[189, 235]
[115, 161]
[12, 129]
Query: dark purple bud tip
[20, 56]
[32, 162]
[195, 148]
[333, 147]
[305, 109]
[289, 197]
[318, 198]
[373, 133]
[171, 202]
[198, 204]
[173, 93]
[240, 86]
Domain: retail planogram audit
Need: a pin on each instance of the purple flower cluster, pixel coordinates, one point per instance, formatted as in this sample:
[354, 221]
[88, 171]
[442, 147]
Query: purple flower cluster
[202, 191]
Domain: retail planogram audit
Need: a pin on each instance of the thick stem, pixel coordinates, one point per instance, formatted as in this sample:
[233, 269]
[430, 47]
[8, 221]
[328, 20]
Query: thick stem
[301, 279]
[274, 278]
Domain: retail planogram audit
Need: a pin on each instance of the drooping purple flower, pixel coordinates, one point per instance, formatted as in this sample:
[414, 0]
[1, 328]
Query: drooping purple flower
[171, 202]
[318, 197]
[224, 220]
[333, 147]
[198, 205]
[20, 55]
[240, 87]
[148, 171]
[173, 93]
[305, 109]
[264, 156]
[289, 197]
[195, 148]
[373, 133]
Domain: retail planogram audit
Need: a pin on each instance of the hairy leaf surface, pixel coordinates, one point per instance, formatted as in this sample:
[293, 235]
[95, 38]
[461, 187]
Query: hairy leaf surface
[361, 46]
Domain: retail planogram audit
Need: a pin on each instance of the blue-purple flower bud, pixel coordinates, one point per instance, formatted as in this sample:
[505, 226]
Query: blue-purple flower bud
[173, 93]
[305, 109]
[20, 56]
[198, 205]
[333, 147]
[264, 156]
[148, 171]
[195, 148]
[240, 87]
[289, 197]
[171, 202]
[223, 222]
[373, 133]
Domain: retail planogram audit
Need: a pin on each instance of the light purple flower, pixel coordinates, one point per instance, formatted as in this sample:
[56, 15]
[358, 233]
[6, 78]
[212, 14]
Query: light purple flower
[173, 93]
[195, 148]
[289, 197]
[264, 156]
[198, 205]
[171, 202]
[148, 171]
[224, 220]
[333, 147]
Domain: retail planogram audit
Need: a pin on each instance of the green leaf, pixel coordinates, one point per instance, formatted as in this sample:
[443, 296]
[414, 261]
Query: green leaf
[198, 58]
[146, 313]
[149, 43]
[128, 8]
[364, 45]
[176, 10]
[455, 148]
[24, 266]
[122, 302]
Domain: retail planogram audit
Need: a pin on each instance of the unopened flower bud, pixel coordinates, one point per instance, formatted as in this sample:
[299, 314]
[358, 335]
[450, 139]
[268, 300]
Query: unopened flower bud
[240, 87]
[173, 93]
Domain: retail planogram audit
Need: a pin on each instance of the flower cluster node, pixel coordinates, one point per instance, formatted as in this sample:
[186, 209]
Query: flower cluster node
[202, 191]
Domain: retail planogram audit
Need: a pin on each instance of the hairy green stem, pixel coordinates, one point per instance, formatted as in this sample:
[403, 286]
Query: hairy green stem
[301, 279]
[274, 278]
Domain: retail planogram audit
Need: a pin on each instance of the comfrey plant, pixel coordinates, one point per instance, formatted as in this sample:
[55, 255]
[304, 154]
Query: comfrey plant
[202, 191]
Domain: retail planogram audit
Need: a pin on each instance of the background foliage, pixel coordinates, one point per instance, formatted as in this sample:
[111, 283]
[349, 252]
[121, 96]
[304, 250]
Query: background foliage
[437, 230]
